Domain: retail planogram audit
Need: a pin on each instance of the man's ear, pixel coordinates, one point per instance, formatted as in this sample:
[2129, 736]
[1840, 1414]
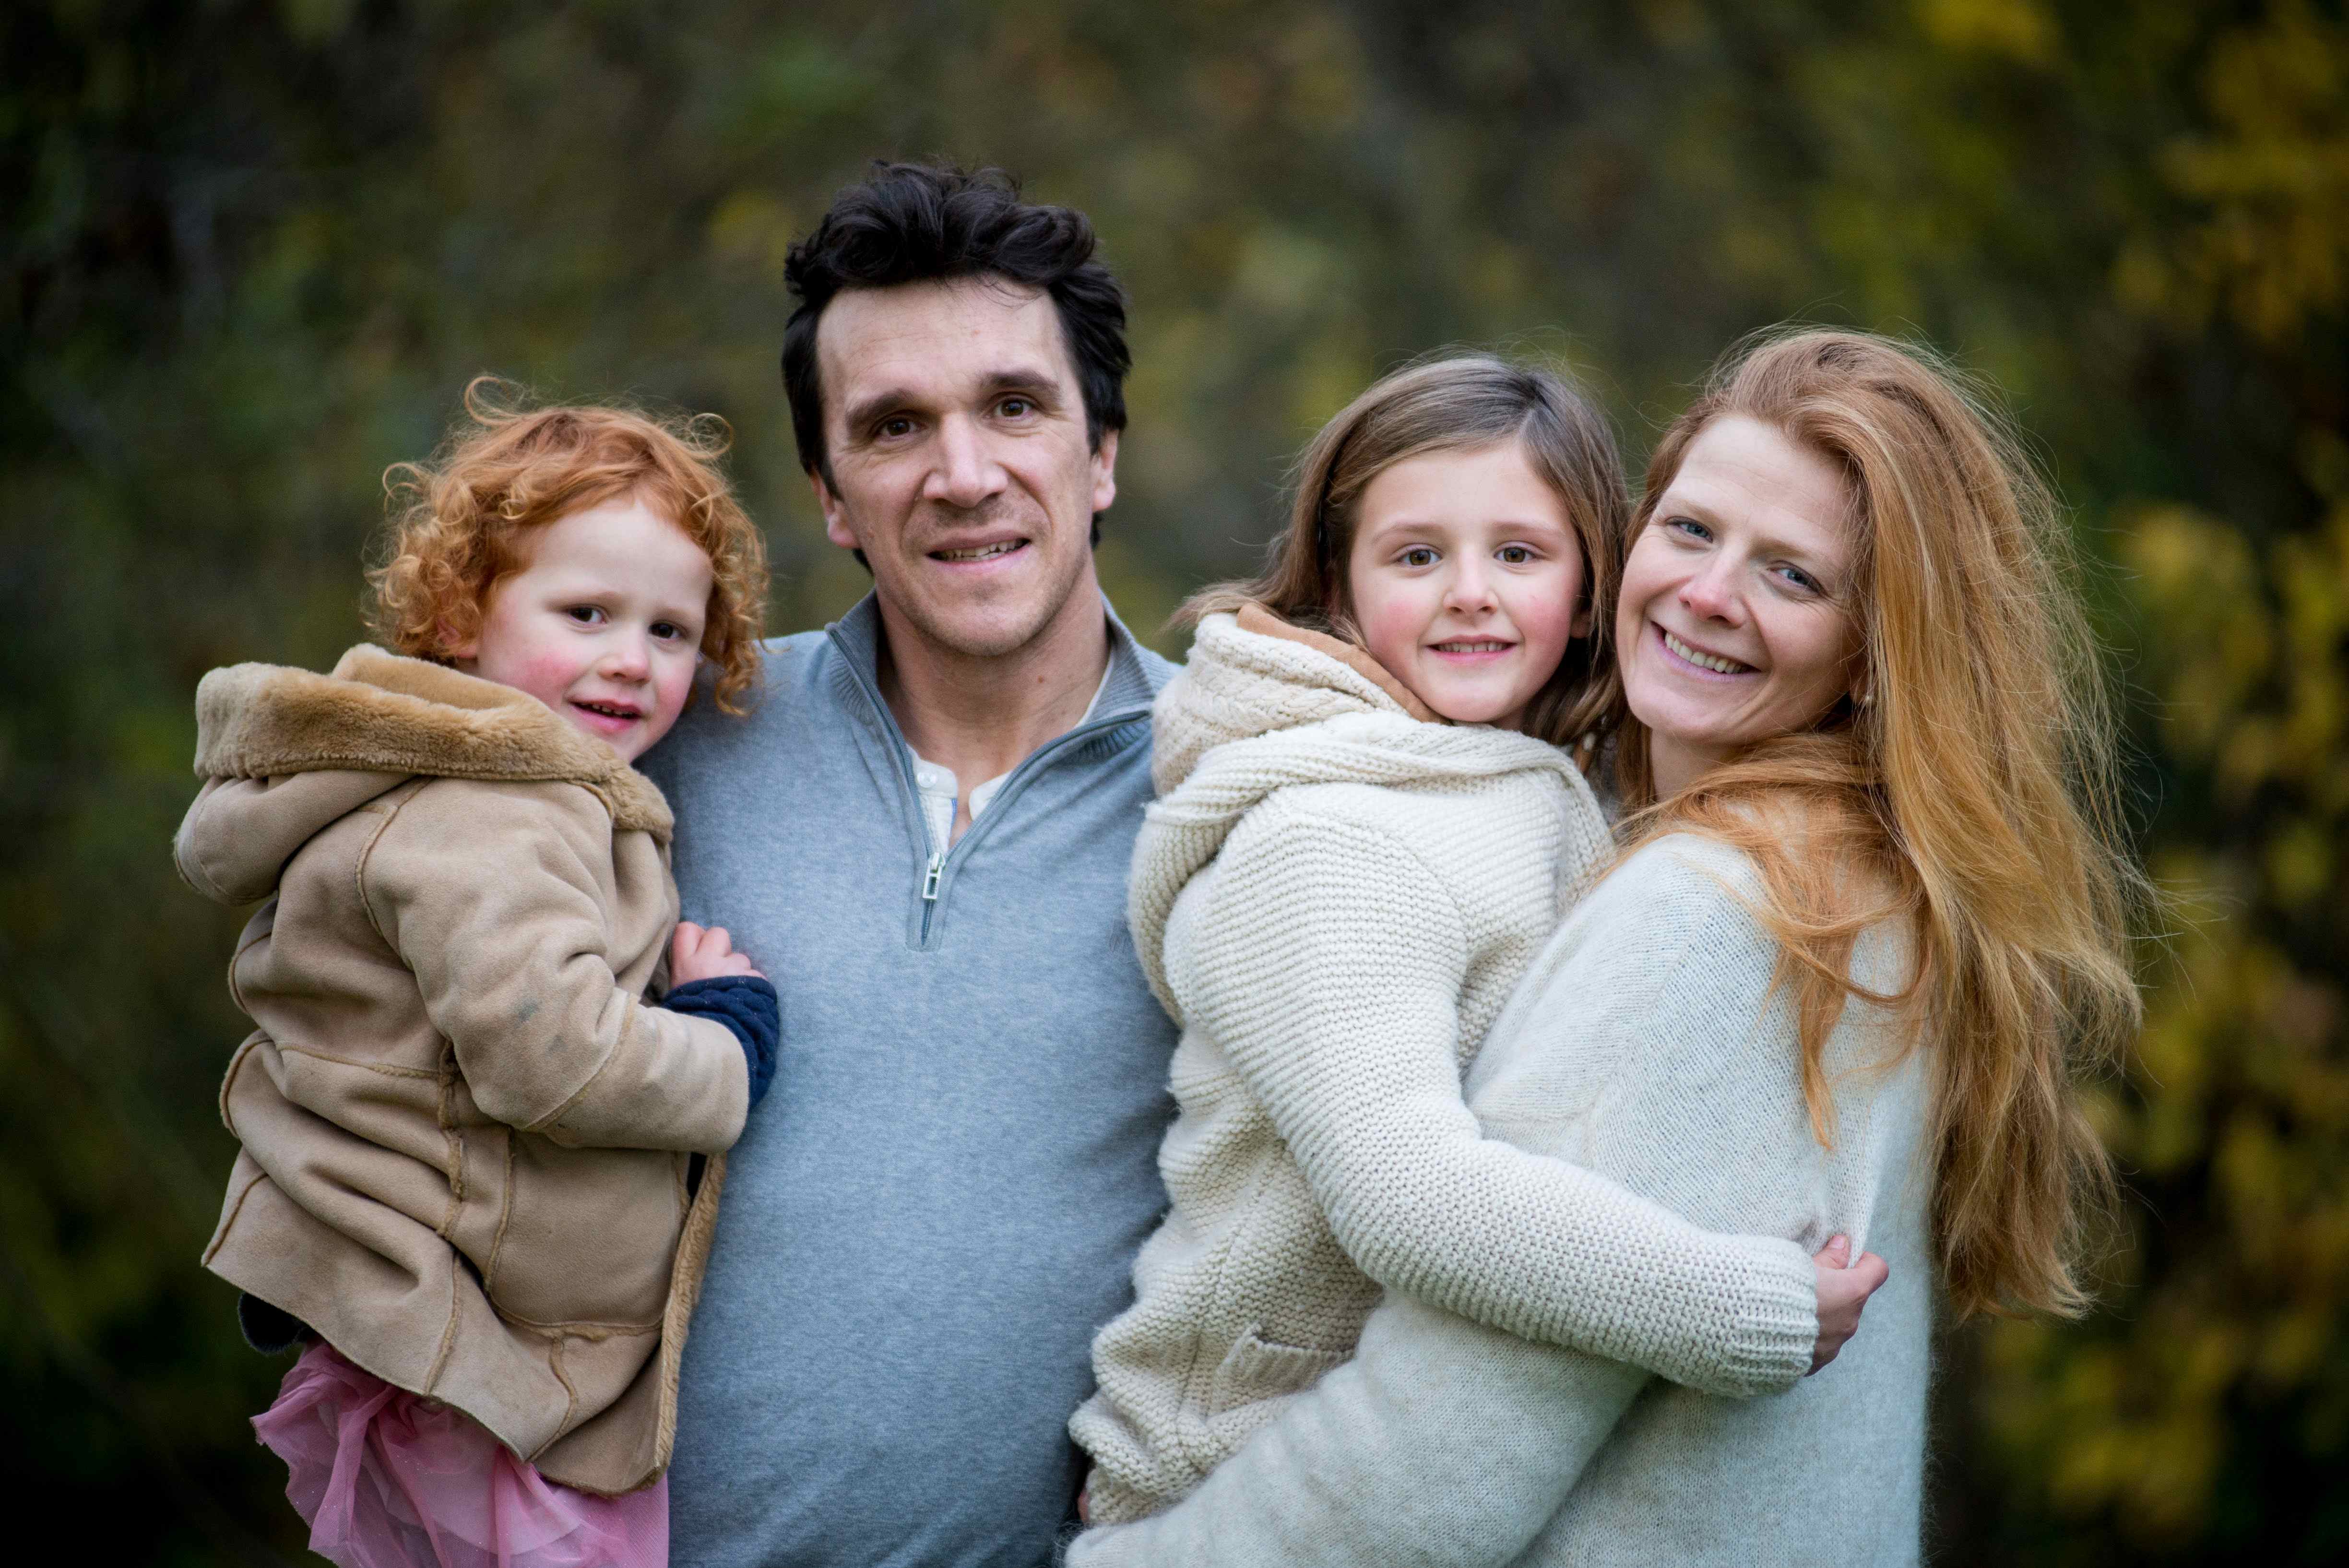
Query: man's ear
[836, 515]
[1104, 466]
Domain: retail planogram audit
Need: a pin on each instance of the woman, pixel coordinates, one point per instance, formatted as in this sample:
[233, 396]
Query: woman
[1871, 909]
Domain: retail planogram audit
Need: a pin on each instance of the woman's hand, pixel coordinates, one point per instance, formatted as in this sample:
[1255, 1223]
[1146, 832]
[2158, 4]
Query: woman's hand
[1844, 1289]
[695, 953]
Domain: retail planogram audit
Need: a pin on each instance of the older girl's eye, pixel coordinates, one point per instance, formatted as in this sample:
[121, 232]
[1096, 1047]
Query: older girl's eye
[1515, 555]
[1417, 555]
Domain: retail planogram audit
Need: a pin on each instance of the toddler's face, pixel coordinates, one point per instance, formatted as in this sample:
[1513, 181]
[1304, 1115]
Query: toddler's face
[1466, 580]
[603, 622]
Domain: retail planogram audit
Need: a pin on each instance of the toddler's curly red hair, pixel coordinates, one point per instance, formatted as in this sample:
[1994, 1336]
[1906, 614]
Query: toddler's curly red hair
[459, 519]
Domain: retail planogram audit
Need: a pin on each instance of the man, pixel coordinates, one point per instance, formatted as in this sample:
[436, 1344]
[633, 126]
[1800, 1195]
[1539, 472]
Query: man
[921, 833]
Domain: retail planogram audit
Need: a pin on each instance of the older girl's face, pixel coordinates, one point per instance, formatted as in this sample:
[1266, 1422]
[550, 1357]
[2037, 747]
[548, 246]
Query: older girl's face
[1465, 576]
[1736, 622]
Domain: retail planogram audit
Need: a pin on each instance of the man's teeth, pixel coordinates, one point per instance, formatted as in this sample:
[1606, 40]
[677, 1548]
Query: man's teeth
[1703, 660]
[980, 552]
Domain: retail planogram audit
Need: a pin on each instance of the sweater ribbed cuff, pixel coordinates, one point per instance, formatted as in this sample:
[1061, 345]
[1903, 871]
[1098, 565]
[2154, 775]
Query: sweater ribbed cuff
[1778, 1321]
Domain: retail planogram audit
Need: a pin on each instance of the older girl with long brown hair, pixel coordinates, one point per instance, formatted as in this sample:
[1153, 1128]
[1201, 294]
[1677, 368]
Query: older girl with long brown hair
[1869, 921]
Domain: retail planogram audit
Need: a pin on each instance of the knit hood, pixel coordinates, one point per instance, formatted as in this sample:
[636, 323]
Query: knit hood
[329, 743]
[1262, 705]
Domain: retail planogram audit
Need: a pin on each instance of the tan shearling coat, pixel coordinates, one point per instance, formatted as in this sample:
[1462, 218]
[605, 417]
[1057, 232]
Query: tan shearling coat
[466, 1138]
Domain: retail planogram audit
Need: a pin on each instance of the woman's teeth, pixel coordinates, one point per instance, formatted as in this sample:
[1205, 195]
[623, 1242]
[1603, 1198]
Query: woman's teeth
[979, 553]
[1703, 660]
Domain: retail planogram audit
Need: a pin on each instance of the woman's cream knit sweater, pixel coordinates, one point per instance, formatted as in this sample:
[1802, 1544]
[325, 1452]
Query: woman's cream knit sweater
[1333, 899]
[1649, 1042]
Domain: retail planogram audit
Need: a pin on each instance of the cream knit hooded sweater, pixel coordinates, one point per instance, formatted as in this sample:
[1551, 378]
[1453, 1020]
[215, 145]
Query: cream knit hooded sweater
[1334, 898]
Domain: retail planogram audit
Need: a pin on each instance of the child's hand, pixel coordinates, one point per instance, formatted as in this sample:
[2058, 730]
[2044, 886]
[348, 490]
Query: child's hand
[696, 953]
[1844, 1288]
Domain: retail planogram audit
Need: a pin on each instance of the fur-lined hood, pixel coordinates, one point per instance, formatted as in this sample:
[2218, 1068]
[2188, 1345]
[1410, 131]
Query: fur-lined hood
[1262, 706]
[329, 743]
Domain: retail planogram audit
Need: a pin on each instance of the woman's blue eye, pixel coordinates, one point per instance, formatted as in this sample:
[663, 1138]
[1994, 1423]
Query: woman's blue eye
[1803, 579]
[1690, 526]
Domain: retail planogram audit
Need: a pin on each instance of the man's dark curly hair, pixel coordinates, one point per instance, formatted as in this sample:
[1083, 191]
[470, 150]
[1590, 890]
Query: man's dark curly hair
[912, 222]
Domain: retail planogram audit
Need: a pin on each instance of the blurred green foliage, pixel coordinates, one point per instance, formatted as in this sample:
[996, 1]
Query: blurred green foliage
[252, 251]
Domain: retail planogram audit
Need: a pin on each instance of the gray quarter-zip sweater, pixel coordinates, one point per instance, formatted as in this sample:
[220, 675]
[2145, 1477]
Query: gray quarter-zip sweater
[941, 1199]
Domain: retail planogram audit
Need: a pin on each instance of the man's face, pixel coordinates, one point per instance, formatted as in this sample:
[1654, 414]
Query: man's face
[960, 464]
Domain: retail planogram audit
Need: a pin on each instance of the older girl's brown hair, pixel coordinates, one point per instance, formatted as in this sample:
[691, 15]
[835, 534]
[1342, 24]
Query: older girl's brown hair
[460, 518]
[1968, 791]
[1454, 404]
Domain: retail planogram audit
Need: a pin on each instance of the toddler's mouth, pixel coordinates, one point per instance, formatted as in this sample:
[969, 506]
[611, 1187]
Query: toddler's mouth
[616, 711]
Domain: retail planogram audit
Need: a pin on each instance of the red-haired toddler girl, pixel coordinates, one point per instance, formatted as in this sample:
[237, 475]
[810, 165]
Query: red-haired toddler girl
[477, 1167]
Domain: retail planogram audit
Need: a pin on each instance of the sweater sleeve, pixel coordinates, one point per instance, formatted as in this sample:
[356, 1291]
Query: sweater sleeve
[1443, 1441]
[488, 894]
[1339, 1009]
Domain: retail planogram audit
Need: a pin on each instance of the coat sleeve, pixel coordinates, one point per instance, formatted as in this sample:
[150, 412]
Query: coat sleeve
[1339, 1009]
[489, 894]
[1444, 1441]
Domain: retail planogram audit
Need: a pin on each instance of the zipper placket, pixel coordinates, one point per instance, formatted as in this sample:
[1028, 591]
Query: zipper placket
[939, 861]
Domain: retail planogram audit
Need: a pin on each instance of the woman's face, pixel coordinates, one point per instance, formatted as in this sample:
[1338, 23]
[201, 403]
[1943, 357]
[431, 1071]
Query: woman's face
[1736, 622]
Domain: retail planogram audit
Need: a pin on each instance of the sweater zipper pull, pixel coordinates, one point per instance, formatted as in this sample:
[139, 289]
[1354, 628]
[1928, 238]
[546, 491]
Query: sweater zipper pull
[930, 877]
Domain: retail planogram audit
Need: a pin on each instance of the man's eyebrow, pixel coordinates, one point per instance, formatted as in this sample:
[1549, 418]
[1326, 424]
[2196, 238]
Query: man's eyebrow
[1037, 383]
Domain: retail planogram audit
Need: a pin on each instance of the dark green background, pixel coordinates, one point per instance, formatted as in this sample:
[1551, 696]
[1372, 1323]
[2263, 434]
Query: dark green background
[252, 252]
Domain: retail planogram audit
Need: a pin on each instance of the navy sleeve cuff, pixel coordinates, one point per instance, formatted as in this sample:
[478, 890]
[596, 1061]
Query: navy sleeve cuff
[746, 1004]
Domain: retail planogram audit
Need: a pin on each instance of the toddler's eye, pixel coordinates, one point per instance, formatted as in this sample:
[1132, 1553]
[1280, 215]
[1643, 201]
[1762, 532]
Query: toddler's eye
[667, 630]
[585, 615]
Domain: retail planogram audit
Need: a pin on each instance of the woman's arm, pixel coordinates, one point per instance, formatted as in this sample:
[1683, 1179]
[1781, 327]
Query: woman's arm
[487, 894]
[1444, 1441]
[1443, 1444]
[1329, 969]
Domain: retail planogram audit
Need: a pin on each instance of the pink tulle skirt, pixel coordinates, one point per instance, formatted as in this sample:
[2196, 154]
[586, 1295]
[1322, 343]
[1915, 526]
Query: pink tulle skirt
[386, 1478]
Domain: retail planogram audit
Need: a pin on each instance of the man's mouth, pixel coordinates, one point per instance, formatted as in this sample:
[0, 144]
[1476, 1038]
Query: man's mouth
[979, 552]
[1701, 659]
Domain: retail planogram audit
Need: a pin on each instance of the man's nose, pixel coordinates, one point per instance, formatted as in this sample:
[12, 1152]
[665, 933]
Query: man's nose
[966, 473]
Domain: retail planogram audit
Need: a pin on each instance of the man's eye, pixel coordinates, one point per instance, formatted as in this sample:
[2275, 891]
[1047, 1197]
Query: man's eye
[1015, 408]
[892, 428]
